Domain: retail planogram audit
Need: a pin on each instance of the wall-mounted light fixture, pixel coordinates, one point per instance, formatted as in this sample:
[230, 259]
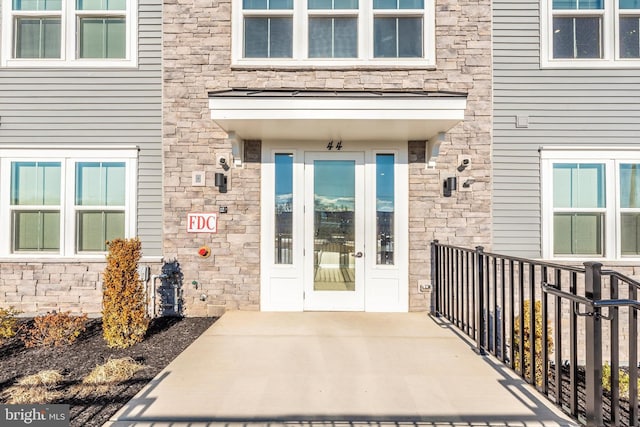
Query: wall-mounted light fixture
[464, 163]
[449, 185]
[221, 182]
[468, 183]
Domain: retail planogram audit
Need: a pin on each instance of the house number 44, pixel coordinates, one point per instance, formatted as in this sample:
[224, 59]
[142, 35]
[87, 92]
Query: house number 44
[338, 145]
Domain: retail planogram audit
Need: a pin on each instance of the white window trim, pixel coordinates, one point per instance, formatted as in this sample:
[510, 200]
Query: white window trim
[611, 158]
[67, 156]
[68, 42]
[365, 38]
[610, 38]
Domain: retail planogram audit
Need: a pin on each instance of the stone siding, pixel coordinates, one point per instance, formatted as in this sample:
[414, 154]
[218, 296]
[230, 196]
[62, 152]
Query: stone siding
[197, 59]
[36, 288]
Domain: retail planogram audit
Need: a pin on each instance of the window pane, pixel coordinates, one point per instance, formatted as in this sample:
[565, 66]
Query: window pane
[284, 209]
[629, 4]
[267, 4]
[256, 41]
[100, 184]
[578, 185]
[37, 38]
[333, 37]
[397, 37]
[96, 228]
[268, 37]
[101, 4]
[346, 4]
[102, 38]
[384, 38]
[577, 234]
[385, 207]
[630, 37]
[630, 185]
[320, 37]
[398, 4]
[332, 4]
[576, 37]
[385, 4]
[410, 37]
[37, 4]
[630, 230]
[280, 38]
[36, 231]
[411, 4]
[35, 183]
[320, 4]
[578, 4]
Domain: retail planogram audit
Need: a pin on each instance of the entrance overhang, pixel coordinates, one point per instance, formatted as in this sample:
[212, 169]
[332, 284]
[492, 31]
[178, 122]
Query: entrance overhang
[336, 115]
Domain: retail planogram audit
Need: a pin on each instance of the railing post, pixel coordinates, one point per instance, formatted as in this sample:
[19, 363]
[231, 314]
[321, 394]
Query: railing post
[479, 280]
[593, 369]
[435, 279]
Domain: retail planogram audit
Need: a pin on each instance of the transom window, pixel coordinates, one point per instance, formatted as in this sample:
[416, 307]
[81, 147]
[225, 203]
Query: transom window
[69, 32]
[592, 205]
[591, 32]
[67, 203]
[333, 32]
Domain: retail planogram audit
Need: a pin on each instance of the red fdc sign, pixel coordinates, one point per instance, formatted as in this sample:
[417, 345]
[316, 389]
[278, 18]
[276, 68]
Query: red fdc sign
[202, 223]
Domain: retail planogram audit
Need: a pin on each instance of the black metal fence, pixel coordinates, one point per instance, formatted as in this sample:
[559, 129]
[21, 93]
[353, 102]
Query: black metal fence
[561, 328]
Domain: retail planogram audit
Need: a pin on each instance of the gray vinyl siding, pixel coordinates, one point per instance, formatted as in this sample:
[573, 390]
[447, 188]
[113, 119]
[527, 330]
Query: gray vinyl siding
[595, 107]
[85, 106]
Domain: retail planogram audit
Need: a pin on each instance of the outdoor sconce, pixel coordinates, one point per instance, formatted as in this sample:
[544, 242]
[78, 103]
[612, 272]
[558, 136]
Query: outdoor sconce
[464, 163]
[221, 182]
[468, 183]
[450, 184]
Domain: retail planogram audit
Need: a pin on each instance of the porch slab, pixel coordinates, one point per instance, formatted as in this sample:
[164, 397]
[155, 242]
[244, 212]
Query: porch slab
[336, 369]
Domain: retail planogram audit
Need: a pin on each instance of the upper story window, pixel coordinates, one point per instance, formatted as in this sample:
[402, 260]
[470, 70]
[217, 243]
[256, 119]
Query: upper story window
[591, 33]
[591, 204]
[65, 202]
[64, 33]
[333, 33]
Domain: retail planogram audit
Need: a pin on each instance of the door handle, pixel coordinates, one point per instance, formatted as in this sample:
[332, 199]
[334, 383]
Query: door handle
[358, 255]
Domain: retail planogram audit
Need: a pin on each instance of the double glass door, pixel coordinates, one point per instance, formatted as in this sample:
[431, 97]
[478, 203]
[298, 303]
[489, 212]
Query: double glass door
[334, 241]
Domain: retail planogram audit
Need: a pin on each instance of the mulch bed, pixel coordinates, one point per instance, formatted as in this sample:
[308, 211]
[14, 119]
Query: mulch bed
[166, 338]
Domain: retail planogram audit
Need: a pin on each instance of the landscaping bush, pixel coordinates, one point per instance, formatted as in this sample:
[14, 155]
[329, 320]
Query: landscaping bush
[38, 388]
[124, 311]
[539, 375]
[54, 329]
[623, 381]
[8, 323]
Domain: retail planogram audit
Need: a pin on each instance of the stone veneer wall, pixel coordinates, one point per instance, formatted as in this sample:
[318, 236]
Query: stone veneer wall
[197, 59]
[39, 287]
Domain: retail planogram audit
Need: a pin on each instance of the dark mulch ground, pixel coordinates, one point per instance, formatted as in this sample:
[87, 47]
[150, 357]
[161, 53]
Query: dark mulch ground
[166, 338]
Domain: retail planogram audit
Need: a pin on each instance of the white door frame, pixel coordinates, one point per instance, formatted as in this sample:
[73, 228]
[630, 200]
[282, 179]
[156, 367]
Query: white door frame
[385, 286]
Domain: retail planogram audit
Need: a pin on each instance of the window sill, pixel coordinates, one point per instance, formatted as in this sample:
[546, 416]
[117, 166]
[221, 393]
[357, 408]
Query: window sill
[296, 65]
[61, 63]
[590, 64]
[76, 259]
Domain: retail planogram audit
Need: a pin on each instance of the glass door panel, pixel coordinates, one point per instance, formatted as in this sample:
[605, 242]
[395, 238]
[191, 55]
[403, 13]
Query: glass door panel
[334, 225]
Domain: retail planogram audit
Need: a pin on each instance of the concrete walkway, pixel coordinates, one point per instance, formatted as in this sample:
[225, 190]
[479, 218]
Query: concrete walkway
[335, 369]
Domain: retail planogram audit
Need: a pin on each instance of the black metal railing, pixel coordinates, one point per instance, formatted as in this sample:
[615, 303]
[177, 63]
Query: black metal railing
[557, 326]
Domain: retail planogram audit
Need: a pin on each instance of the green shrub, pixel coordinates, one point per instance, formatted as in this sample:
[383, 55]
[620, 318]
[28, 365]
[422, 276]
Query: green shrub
[54, 330]
[539, 375]
[623, 381]
[8, 323]
[124, 311]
